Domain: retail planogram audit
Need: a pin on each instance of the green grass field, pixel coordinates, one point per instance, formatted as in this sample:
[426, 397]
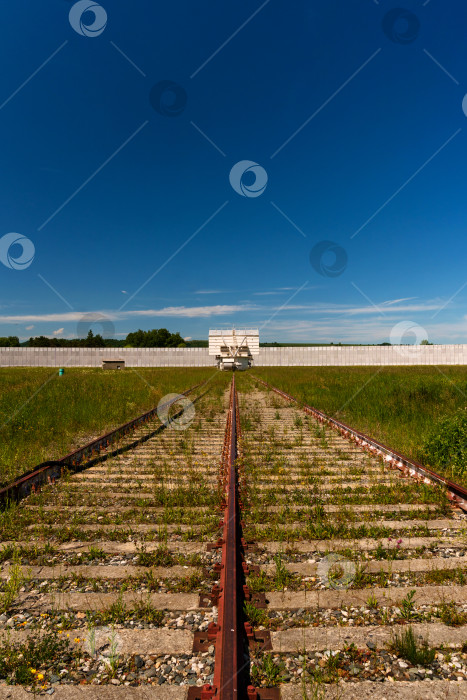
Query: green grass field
[44, 416]
[399, 406]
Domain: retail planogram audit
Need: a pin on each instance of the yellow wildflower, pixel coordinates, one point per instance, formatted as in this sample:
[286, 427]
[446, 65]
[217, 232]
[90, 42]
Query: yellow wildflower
[33, 670]
[40, 676]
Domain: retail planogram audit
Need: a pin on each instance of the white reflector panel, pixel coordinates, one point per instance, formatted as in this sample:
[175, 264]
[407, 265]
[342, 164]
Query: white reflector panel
[232, 343]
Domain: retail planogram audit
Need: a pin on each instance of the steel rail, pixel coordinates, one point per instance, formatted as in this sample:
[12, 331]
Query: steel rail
[49, 471]
[229, 681]
[229, 649]
[231, 635]
[457, 494]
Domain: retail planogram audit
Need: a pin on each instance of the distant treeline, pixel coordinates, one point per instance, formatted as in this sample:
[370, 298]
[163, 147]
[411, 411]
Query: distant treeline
[318, 345]
[91, 341]
[156, 338]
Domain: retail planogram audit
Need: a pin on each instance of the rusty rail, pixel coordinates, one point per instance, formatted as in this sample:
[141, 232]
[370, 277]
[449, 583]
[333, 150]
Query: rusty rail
[47, 472]
[228, 677]
[457, 494]
[232, 635]
[229, 680]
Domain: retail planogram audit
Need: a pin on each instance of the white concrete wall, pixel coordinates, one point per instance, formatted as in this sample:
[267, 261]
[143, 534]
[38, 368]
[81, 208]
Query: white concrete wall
[92, 357]
[351, 356]
[199, 357]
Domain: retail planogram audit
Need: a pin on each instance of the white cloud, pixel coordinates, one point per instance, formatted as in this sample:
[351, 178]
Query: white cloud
[344, 309]
[195, 311]
[312, 322]
[29, 328]
[280, 290]
[210, 291]
[350, 330]
[175, 311]
[318, 309]
[396, 301]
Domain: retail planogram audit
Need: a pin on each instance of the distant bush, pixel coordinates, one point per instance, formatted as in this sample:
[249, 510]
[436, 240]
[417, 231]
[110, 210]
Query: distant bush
[156, 338]
[446, 445]
[11, 342]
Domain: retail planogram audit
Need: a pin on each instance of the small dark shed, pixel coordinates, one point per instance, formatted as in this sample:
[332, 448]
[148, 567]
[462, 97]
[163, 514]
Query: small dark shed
[113, 364]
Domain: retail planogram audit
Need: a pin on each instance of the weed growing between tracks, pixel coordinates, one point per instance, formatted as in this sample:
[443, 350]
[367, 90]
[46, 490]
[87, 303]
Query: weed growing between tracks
[258, 617]
[362, 579]
[21, 663]
[347, 616]
[378, 494]
[405, 644]
[119, 613]
[11, 588]
[329, 531]
[450, 615]
[266, 671]
[103, 517]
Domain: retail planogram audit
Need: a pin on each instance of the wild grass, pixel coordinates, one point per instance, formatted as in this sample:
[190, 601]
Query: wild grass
[408, 605]
[43, 416]
[12, 587]
[406, 645]
[266, 671]
[256, 616]
[450, 615]
[397, 405]
[161, 557]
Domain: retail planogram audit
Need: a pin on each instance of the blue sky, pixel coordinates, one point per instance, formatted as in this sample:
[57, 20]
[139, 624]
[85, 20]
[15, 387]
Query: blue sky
[349, 111]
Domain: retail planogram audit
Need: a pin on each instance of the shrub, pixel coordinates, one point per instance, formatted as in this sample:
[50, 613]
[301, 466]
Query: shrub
[446, 446]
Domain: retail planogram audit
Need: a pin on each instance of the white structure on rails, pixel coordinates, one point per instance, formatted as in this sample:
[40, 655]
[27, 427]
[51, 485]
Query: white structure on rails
[234, 349]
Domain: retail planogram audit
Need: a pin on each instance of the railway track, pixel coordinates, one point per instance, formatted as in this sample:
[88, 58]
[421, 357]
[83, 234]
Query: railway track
[258, 553]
